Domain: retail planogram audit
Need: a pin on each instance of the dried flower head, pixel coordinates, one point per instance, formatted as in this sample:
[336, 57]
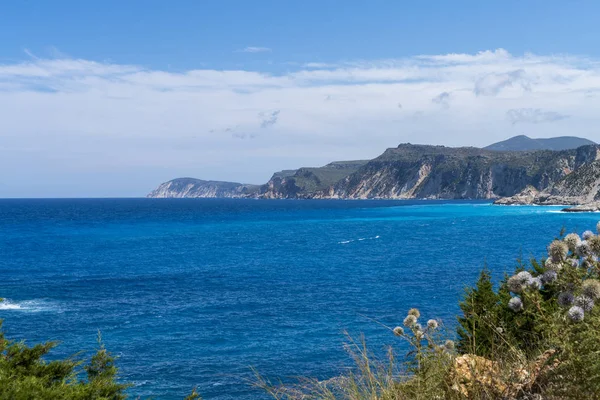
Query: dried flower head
[574, 262]
[449, 345]
[583, 249]
[587, 235]
[518, 282]
[549, 277]
[558, 250]
[432, 324]
[591, 288]
[572, 240]
[565, 299]
[419, 334]
[584, 302]
[536, 283]
[415, 312]
[576, 314]
[398, 331]
[410, 320]
[594, 242]
[515, 304]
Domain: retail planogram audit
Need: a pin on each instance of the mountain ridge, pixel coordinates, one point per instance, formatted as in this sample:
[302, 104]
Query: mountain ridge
[405, 172]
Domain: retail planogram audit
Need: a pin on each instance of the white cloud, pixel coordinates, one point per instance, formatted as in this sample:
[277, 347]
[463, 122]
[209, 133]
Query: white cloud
[80, 127]
[533, 116]
[254, 49]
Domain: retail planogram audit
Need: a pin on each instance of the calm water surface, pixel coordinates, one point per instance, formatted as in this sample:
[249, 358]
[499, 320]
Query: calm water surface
[195, 292]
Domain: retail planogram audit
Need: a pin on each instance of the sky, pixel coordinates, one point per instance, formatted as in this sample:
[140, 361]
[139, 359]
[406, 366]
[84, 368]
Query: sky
[112, 98]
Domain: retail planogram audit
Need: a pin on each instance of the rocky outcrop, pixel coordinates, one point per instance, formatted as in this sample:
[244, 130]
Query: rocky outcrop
[525, 143]
[190, 187]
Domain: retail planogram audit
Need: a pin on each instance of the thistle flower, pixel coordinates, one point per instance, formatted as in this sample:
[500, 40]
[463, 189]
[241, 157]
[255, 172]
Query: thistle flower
[518, 282]
[572, 240]
[515, 304]
[418, 327]
[594, 242]
[584, 302]
[419, 335]
[449, 345]
[398, 331]
[410, 320]
[583, 248]
[591, 288]
[432, 324]
[587, 235]
[536, 283]
[576, 314]
[558, 250]
[565, 299]
[574, 262]
[414, 312]
[549, 277]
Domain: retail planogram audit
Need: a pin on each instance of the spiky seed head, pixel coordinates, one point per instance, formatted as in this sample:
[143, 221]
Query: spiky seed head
[594, 242]
[591, 288]
[536, 283]
[449, 345]
[587, 235]
[584, 302]
[565, 299]
[583, 249]
[515, 285]
[432, 324]
[576, 314]
[574, 262]
[549, 277]
[558, 250]
[415, 312]
[419, 334]
[398, 331]
[410, 320]
[515, 304]
[572, 240]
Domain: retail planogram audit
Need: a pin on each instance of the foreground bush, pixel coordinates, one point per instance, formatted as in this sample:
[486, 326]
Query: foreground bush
[26, 375]
[536, 337]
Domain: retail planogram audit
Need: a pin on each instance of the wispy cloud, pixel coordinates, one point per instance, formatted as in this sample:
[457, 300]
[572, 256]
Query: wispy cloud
[64, 112]
[255, 49]
[533, 116]
[269, 118]
[442, 99]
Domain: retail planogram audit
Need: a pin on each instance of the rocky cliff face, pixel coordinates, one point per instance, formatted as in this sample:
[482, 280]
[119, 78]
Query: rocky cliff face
[424, 172]
[190, 187]
[437, 172]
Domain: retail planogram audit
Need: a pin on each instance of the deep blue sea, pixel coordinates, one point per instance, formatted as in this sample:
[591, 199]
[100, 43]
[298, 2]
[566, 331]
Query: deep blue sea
[191, 292]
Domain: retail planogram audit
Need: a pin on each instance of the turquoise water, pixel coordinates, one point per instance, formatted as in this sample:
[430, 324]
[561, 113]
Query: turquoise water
[195, 292]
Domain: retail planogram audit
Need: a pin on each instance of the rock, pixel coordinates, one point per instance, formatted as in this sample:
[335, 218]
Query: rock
[471, 374]
[589, 207]
[526, 196]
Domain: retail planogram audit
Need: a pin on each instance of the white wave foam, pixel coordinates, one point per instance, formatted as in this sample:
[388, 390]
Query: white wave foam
[25, 306]
[359, 239]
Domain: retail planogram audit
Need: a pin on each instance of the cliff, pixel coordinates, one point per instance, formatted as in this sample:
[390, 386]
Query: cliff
[438, 172]
[190, 187]
[426, 172]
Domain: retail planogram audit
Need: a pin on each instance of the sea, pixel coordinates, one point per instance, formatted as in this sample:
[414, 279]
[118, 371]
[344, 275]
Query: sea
[206, 292]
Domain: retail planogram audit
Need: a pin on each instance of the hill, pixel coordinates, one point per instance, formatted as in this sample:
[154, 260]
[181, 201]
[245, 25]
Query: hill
[525, 143]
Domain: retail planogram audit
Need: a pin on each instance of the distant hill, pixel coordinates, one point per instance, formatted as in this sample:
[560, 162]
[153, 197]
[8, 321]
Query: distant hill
[525, 143]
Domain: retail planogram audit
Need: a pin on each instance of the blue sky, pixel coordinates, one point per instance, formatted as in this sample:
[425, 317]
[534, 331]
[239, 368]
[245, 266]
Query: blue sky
[111, 98]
